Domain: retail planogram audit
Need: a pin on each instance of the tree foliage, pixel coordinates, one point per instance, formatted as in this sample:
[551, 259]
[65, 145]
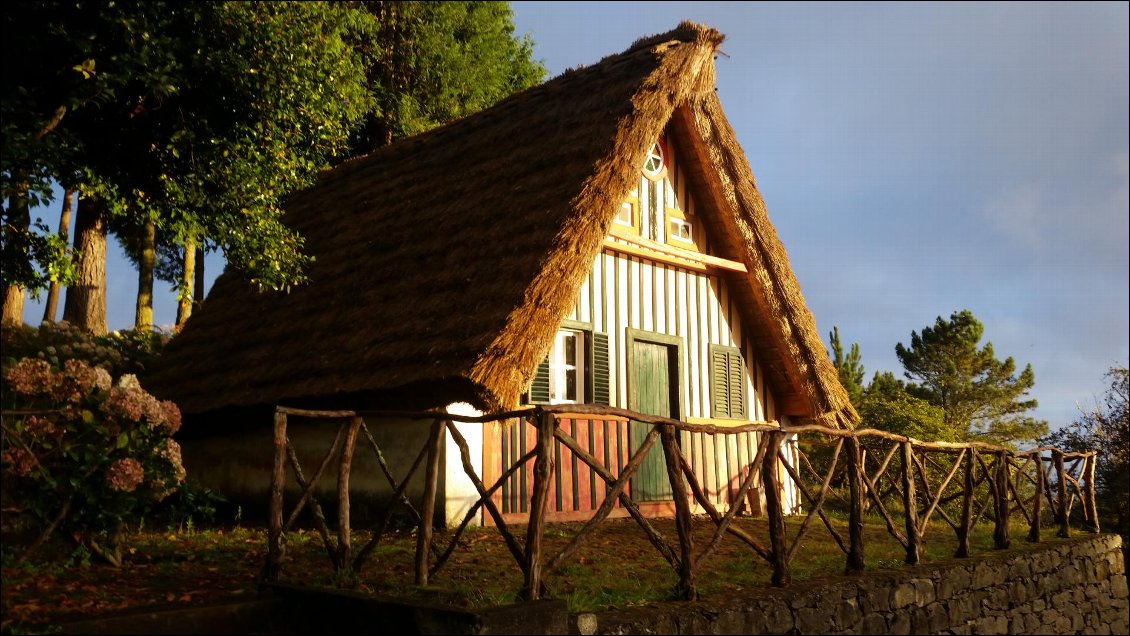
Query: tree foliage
[438, 61]
[196, 116]
[888, 406]
[980, 397]
[849, 366]
[1106, 429]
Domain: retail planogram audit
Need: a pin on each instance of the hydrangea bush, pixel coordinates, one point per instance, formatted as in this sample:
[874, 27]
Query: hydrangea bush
[81, 453]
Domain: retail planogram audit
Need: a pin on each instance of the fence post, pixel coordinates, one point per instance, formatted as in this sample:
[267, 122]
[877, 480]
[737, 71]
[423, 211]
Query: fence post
[1089, 503]
[855, 518]
[428, 507]
[344, 555]
[276, 543]
[775, 509]
[539, 499]
[910, 503]
[1034, 527]
[966, 506]
[671, 455]
[1061, 495]
[1001, 539]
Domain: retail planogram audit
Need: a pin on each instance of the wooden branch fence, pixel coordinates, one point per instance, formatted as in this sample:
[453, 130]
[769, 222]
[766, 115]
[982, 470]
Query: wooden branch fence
[960, 483]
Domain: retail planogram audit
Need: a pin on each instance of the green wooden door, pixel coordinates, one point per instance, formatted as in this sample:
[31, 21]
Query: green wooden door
[651, 394]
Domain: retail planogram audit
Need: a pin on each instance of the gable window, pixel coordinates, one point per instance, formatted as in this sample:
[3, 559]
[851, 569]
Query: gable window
[625, 215]
[654, 163]
[727, 383]
[574, 372]
[679, 230]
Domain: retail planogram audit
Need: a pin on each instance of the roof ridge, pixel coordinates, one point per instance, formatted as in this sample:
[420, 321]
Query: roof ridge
[687, 31]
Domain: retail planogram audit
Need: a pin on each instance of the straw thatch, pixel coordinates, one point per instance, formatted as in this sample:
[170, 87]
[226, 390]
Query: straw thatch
[444, 263]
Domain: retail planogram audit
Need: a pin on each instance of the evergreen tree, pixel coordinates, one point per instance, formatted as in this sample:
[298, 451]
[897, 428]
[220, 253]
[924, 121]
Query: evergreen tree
[850, 366]
[980, 397]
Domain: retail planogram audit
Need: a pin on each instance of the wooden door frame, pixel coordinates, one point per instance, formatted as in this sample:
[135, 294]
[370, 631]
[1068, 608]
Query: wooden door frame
[631, 336]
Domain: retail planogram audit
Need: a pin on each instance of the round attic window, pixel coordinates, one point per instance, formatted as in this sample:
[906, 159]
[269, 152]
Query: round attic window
[656, 158]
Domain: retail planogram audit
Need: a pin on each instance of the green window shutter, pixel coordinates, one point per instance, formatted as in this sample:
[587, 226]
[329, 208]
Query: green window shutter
[539, 386]
[727, 381]
[737, 386]
[599, 368]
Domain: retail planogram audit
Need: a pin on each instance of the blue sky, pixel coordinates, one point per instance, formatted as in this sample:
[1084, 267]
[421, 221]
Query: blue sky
[916, 159]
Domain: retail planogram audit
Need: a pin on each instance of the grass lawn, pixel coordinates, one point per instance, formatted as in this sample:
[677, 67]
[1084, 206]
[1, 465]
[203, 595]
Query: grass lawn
[617, 567]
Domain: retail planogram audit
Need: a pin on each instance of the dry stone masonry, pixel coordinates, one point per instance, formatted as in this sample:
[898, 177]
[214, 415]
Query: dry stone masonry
[1072, 586]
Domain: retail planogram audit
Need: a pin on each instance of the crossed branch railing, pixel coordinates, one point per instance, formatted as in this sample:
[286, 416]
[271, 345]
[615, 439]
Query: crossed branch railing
[993, 478]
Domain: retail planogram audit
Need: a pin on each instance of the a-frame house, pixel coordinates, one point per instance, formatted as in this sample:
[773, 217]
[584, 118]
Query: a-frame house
[596, 239]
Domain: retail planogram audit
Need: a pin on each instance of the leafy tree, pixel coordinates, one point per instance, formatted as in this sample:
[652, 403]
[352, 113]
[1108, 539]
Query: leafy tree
[1106, 428]
[888, 406]
[980, 396]
[184, 114]
[439, 61]
[850, 366]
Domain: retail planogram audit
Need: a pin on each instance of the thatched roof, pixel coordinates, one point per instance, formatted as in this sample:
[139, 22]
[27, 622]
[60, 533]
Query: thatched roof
[445, 262]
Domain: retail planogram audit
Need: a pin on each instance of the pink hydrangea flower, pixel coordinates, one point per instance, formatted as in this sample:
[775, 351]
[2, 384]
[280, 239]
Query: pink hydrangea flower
[39, 427]
[20, 461]
[171, 417]
[125, 475]
[31, 377]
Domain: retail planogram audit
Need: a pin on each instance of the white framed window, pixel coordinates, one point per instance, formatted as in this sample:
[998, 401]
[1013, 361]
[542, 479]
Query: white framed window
[567, 368]
[575, 370]
[679, 230]
[625, 215]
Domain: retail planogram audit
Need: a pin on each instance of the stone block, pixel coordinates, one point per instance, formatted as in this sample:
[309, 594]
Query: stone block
[899, 623]
[903, 596]
[923, 591]
[848, 615]
[811, 620]
[778, 617]
[1118, 586]
[874, 624]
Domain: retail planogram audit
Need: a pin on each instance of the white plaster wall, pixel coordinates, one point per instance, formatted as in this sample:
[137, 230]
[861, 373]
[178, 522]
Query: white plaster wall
[460, 490]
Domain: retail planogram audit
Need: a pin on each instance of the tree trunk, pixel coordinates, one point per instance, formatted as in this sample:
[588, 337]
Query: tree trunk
[19, 220]
[185, 299]
[52, 308]
[143, 317]
[13, 304]
[85, 304]
[198, 287]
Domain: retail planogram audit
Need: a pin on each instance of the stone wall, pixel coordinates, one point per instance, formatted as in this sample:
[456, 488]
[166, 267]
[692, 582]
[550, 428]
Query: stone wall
[1073, 586]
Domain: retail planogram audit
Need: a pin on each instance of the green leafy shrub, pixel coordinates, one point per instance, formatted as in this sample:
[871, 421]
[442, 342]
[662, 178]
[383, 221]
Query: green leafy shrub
[81, 454]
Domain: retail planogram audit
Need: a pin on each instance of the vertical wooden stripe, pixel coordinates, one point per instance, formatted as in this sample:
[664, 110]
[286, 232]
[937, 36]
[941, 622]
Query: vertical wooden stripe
[528, 474]
[556, 492]
[600, 452]
[596, 293]
[720, 466]
[647, 295]
[581, 494]
[703, 344]
[621, 324]
[504, 458]
[731, 467]
[685, 313]
[710, 483]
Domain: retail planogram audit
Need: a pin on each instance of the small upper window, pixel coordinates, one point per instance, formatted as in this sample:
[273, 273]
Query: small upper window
[680, 231]
[656, 159]
[624, 217]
